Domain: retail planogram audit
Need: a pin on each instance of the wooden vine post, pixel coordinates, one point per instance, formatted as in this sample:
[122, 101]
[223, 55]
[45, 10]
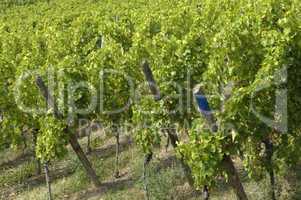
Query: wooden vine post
[172, 137]
[72, 137]
[48, 181]
[227, 162]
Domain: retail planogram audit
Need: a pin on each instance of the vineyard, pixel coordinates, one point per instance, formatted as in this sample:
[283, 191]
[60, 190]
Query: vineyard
[140, 99]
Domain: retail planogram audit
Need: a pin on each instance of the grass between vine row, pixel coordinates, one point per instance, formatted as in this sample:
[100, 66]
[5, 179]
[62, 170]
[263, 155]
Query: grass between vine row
[166, 179]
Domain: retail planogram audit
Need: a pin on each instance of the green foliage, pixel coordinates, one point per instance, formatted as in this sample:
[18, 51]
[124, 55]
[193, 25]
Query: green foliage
[251, 45]
[51, 139]
[203, 153]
